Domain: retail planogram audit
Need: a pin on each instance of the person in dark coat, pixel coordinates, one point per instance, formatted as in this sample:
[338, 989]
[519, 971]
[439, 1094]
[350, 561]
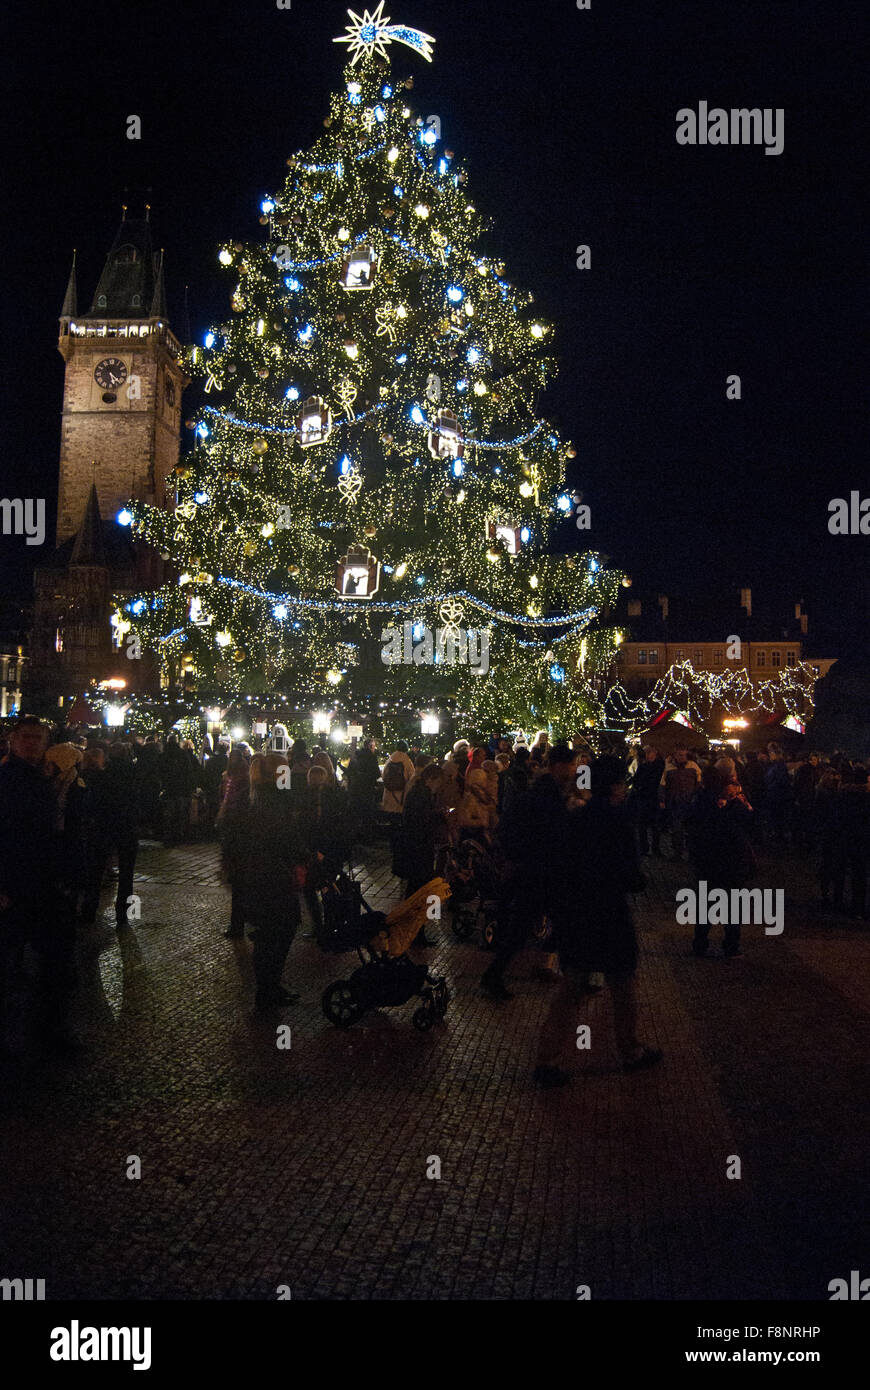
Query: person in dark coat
[178, 783]
[148, 760]
[644, 800]
[363, 775]
[324, 827]
[273, 858]
[30, 888]
[515, 781]
[720, 848]
[594, 928]
[213, 769]
[532, 835]
[828, 831]
[112, 828]
[422, 829]
[231, 824]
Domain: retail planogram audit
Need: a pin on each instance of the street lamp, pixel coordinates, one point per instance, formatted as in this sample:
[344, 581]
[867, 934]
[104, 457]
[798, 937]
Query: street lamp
[321, 720]
[430, 724]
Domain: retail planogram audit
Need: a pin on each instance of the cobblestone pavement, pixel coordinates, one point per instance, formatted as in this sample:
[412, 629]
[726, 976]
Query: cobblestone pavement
[262, 1167]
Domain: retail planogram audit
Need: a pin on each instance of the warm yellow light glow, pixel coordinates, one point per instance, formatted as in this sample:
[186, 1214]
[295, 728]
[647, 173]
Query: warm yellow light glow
[268, 530]
[526, 489]
[735, 723]
[537, 330]
[401, 571]
[401, 312]
[392, 155]
[343, 234]
[422, 210]
[114, 684]
[225, 258]
[184, 579]
[352, 351]
[223, 639]
[480, 388]
[261, 324]
[617, 640]
[533, 581]
[334, 677]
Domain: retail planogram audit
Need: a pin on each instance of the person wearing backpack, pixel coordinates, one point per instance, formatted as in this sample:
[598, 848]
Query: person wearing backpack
[396, 776]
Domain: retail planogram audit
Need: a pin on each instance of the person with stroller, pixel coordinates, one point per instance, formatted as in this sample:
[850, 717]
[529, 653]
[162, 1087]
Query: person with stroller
[325, 831]
[593, 867]
[422, 831]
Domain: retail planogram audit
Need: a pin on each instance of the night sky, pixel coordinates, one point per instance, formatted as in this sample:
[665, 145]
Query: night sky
[706, 261]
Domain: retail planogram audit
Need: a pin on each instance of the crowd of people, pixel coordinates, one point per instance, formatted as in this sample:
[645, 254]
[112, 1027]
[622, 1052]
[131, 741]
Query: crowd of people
[564, 829]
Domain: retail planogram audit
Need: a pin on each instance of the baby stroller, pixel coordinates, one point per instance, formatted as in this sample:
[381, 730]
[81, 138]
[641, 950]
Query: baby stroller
[386, 976]
[475, 878]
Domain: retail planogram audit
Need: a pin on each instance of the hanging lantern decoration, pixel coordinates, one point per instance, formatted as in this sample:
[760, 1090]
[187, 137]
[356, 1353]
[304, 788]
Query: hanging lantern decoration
[279, 740]
[315, 422]
[197, 613]
[446, 440]
[505, 534]
[358, 574]
[358, 269]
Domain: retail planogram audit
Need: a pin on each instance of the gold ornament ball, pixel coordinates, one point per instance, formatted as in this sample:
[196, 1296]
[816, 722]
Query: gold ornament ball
[237, 246]
[626, 581]
[190, 424]
[370, 532]
[293, 570]
[264, 220]
[328, 122]
[572, 453]
[250, 548]
[570, 562]
[239, 654]
[259, 446]
[263, 372]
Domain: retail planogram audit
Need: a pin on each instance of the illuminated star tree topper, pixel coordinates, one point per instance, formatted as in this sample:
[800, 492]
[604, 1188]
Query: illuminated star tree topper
[373, 32]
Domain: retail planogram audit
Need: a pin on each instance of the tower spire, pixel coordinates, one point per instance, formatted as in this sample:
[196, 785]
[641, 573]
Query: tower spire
[70, 299]
[158, 302]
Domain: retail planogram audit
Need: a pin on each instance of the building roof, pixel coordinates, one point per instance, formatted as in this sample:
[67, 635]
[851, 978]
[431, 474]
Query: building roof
[126, 288]
[685, 621]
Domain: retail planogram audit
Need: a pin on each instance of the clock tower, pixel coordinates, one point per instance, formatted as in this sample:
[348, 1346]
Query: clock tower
[120, 435]
[122, 388]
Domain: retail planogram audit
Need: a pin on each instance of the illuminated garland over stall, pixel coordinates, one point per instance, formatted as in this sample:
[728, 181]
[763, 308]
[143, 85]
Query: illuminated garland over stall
[695, 693]
[370, 433]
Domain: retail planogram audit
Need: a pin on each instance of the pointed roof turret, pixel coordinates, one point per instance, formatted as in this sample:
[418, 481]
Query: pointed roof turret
[158, 301]
[70, 299]
[89, 547]
[126, 286]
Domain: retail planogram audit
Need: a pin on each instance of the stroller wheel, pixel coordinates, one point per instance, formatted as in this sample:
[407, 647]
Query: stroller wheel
[423, 1020]
[543, 930]
[339, 1004]
[463, 927]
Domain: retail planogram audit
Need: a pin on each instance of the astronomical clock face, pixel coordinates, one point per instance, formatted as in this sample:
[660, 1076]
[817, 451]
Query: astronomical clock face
[110, 373]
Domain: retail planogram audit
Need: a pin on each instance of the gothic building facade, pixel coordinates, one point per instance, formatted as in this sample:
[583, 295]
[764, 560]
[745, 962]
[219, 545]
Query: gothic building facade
[120, 432]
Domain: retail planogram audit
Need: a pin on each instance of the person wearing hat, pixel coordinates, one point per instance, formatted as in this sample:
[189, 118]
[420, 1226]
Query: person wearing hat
[594, 927]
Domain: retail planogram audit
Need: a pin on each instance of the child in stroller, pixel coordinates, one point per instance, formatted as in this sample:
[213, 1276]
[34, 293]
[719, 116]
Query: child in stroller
[386, 977]
[475, 875]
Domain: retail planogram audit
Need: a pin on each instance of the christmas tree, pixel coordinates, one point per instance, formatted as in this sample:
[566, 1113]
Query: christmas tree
[369, 509]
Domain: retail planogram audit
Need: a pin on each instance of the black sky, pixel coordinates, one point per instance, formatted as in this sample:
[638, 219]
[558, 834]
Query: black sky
[705, 261]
